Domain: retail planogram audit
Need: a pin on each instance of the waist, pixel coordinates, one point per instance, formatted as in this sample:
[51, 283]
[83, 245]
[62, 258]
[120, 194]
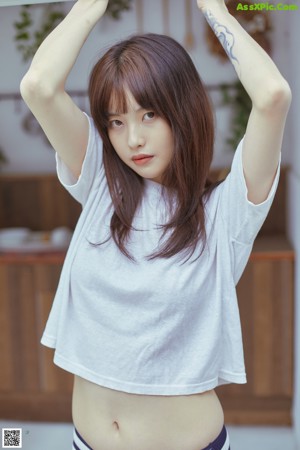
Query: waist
[109, 419]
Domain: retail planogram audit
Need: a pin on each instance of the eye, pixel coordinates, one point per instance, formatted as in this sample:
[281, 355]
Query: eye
[149, 115]
[115, 123]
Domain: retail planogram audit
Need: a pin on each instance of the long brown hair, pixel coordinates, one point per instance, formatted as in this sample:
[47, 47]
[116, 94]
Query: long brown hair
[161, 76]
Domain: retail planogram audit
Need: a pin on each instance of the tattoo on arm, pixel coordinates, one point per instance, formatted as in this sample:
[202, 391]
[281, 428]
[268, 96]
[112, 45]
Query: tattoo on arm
[225, 36]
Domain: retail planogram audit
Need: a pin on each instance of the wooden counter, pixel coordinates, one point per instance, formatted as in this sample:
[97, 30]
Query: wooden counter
[266, 302]
[17, 257]
[272, 247]
[33, 388]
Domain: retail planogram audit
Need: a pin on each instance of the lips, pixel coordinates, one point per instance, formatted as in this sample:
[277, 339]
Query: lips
[141, 156]
[142, 159]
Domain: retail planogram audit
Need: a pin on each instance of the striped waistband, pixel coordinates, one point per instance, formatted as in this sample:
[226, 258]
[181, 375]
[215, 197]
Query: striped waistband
[78, 442]
[220, 443]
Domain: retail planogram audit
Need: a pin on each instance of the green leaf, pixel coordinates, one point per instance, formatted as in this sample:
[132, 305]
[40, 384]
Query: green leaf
[25, 36]
[32, 34]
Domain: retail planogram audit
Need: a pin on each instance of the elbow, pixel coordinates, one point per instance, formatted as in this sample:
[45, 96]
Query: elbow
[281, 96]
[277, 97]
[34, 89]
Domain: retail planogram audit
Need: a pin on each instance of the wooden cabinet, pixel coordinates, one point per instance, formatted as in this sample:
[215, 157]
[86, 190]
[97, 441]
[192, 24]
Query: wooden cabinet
[265, 294]
[33, 388]
[38, 202]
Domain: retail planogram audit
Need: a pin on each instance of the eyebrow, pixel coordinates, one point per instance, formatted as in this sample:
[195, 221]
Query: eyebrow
[109, 114]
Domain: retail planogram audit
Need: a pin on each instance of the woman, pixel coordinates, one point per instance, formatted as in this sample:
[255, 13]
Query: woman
[145, 315]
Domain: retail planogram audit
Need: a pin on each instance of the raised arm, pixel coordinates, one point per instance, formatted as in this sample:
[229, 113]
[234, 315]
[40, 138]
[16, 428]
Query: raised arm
[43, 86]
[269, 92]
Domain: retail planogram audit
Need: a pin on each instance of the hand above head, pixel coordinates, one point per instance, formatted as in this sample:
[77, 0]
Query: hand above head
[99, 5]
[206, 4]
[43, 86]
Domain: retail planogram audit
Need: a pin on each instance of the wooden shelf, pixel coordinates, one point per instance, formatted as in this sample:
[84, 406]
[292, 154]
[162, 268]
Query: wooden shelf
[32, 258]
[272, 247]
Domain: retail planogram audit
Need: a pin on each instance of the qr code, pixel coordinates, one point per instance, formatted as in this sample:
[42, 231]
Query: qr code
[11, 437]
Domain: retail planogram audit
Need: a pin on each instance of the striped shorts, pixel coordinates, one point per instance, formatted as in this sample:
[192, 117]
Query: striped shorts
[220, 443]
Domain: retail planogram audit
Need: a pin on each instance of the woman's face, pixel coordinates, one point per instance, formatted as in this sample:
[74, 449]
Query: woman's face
[141, 138]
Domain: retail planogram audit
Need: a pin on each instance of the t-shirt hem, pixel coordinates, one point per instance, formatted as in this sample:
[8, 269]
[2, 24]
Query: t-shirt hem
[146, 389]
[232, 377]
[48, 341]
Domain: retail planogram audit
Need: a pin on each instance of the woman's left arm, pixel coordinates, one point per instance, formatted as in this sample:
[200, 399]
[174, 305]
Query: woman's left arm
[269, 92]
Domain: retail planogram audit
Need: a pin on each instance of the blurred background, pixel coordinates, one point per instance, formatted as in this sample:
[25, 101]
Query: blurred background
[37, 218]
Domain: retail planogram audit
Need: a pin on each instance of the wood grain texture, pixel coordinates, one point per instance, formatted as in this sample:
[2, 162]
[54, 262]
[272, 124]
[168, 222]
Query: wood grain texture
[30, 382]
[37, 202]
[266, 303]
[6, 343]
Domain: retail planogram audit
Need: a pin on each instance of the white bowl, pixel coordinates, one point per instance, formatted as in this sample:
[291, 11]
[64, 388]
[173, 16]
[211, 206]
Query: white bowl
[61, 236]
[14, 235]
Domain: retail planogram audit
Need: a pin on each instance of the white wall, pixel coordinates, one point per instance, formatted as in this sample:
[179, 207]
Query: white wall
[32, 154]
[294, 196]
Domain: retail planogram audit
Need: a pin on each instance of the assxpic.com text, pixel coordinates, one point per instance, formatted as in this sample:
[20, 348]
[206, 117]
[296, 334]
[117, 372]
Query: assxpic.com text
[267, 7]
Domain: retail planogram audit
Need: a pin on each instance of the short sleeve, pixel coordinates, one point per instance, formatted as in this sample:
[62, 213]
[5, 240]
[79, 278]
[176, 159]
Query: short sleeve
[92, 168]
[242, 218]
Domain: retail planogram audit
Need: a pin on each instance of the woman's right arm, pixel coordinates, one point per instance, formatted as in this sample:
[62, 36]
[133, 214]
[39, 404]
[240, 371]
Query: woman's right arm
[43, 86]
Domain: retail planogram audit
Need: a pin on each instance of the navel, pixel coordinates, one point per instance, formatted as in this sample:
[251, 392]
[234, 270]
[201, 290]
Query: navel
[116, 426]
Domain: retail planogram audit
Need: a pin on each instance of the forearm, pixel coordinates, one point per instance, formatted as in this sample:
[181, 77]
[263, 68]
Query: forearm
[56, 56]
[257, 72]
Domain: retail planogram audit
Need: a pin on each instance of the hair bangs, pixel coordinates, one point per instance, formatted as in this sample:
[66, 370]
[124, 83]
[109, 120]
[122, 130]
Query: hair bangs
[138, 81]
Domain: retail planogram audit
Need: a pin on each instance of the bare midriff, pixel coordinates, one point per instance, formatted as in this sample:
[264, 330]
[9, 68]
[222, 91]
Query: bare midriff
[112, 420]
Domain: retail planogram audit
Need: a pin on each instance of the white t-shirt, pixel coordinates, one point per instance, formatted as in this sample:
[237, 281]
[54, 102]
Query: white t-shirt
[155, 327]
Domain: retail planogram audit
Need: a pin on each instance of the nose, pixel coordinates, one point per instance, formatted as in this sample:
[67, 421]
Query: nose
[136, 137]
